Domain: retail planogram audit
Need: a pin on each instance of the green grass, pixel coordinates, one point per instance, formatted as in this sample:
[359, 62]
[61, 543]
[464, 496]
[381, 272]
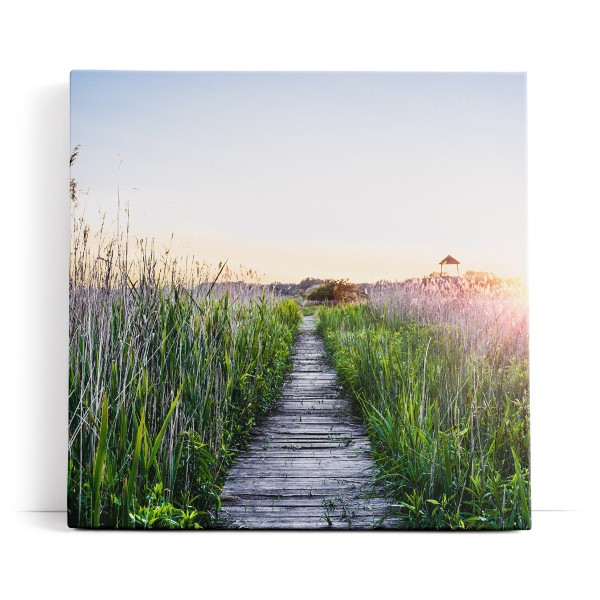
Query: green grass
[164, 387]
[445, 402]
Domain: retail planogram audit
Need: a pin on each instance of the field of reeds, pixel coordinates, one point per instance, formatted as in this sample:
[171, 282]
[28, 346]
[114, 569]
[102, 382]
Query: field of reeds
[439, 370]
[169, 370]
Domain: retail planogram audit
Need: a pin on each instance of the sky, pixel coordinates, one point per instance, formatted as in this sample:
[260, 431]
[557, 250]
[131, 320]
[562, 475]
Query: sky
[365, 176]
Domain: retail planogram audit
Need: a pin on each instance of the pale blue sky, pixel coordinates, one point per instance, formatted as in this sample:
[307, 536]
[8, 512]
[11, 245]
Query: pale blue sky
[359, 175]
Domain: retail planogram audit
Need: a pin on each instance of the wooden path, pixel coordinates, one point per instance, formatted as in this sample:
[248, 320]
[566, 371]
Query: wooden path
[307, 465]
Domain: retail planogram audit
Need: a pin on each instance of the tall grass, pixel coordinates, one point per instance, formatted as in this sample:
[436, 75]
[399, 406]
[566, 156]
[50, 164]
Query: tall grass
[439, 369]
[169, 371]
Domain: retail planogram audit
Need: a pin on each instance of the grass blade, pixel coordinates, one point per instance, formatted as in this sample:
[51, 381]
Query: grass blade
[161, 433]
[99, 464]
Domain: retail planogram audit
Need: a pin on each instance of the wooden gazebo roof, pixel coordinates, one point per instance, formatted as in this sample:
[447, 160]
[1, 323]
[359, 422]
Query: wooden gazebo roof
[449, 260]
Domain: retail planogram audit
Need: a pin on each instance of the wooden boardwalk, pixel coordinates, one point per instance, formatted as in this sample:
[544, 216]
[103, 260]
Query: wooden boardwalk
[307, 465]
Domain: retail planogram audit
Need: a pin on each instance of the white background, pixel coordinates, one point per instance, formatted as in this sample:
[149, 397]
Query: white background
[556, 43]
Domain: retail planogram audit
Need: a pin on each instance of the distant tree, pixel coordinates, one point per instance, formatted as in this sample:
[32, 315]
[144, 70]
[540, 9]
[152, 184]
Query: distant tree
[345, 292]
[334, 291]
[322, 292]
[309, 282]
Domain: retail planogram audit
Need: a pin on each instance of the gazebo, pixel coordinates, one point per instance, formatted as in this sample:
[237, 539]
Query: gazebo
[449, 260]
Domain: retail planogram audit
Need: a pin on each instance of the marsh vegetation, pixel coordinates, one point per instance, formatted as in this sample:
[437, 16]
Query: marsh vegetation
[439, 370]
[169, 370]
[173, 363]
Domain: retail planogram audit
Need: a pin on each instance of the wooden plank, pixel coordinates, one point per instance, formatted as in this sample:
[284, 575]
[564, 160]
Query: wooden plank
[289, 461]
[340, 427]
[294, 463]
[297, 486]
[304, 442]
[260, 514]
[314, 523]
[298, 474]
[318, 454]
[282, 437]
[233, 502]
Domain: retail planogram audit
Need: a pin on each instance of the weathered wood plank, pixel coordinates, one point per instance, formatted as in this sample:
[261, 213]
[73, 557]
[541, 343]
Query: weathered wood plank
[312, 523]
[303, 471]
[336, 499]
[300, 442]
[313, 461]
[244, 481]
[326, 491]
[307, 453]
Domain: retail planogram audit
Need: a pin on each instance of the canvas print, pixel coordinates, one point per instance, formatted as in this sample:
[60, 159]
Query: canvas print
[298, 301]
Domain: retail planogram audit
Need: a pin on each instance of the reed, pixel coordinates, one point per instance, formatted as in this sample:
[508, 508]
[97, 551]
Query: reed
[439, 370]
[170, 368]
